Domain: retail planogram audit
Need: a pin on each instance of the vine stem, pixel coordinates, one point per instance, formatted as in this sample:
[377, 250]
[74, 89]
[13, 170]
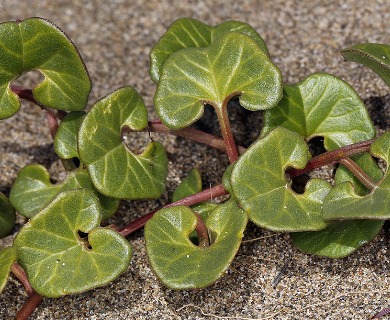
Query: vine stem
[363, 177]
[29, 306]
[202, 196]
[224, 123]
[201, 231]
[19, 273]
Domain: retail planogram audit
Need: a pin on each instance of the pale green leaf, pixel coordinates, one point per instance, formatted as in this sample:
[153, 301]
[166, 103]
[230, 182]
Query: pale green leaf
[177, 261]
[7, 258]
[232, 65]
[339, 239]
[260, 185]
[36, 44]
[56, 260]
[376, 56]
[190, 185]
[7, 216]
[32, 190]
[116, 171]
[189, 33]
[322, 106]
[343, 202]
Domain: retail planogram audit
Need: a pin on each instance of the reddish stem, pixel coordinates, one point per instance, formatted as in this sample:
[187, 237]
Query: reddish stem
[19, 273]
[363, 177]
[188, 201]
[29, 306]
[201, 231]
[224, 123]
[331, 157]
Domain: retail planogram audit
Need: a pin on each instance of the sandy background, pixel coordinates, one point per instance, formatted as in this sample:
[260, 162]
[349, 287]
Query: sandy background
[114, 38]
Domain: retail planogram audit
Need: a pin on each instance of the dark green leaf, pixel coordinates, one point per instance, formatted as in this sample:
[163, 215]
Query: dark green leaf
[36, 44]
[7, 216]
[57, 261]
[116, 171]
[32, 190]
[322, 105]
[260, 185]
[376, 56]
[189, 33]
[65, 140]
[232, 65]
[177, 261]
[7, 258]
[339, 239]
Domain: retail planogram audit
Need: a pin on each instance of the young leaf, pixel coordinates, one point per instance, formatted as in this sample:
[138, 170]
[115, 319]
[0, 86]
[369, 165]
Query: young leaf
[36, 44]
[322, 105]
[343, 203]
[339, 239]
[7, 258]
[259, 184]
[116, 171]
[57, 260]
[189, 33]
[194, 77]
[65, 140]
[188, 186]
[32, 190]
[376, 56]
[7, 216]
[177, 261]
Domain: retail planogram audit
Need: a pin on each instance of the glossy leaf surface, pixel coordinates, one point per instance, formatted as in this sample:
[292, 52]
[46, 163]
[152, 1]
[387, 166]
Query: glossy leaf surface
[177, 261]
[116, 171]
[343, 202]
[376, 56]
[36, 44]
[259, 184]
[57, 261]
[65, 140]
[7, 258]
[339, 239]
[190, 33]
[32, 190]
[322, 105]
[194, 77]
[7, 216]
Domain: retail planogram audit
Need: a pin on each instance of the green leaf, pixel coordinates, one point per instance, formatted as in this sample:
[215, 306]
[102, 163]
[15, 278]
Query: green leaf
[57, 260]
[189, 33]
[322, 105]
[7, 216]
[260, 185]
[7, 259]
[343, 202]
[177, 261]
[339, 239]
[189, 185]
[376, 56]
[32, 190]
[232, 65]
[116, 171]
[36, 44]
[65, 140]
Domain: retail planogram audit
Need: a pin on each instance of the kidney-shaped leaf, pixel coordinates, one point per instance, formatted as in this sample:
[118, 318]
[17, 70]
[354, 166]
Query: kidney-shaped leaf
[65, 140]
[339, 239]
[7, 258]
[376, 56]
[177, 261]
[32, 190]
[57, 260]
[7, 216]
[322, 105]
[343, 202]
[189, 33]
[116, 171]
[232, 65]
[259, 184]
[36, 44]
